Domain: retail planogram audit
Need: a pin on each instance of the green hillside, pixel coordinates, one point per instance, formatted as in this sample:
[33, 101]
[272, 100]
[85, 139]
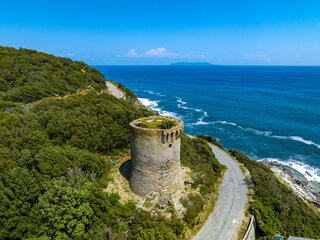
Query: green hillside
[27, 75]
[276, 207]
[54, 156]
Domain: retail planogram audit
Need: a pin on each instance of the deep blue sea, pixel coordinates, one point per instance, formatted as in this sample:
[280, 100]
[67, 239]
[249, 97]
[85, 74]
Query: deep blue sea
[270, 113]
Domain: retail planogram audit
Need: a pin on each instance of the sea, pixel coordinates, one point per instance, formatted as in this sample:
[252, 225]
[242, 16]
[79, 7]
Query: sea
[268, 112]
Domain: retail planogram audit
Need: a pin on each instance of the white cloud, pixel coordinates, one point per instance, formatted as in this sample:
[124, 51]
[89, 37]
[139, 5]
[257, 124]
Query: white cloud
[161, 53]
[69, 54]
[132, 53]
[158, 52]
[261, 57]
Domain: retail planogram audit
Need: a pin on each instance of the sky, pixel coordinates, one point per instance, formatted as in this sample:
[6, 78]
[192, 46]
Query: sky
[144, 32]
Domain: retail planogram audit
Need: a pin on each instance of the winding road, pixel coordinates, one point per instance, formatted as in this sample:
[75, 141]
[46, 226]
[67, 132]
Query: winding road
[225, 220]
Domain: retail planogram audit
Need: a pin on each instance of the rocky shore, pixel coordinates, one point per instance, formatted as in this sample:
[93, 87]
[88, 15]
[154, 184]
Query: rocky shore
[307, 190]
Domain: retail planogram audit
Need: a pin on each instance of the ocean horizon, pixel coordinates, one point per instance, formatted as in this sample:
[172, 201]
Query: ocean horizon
[268, 112]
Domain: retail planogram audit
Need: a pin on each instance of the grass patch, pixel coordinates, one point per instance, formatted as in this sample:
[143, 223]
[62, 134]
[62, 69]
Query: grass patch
[157, 123]
[147, 202]
[212, 140]
[207, 209]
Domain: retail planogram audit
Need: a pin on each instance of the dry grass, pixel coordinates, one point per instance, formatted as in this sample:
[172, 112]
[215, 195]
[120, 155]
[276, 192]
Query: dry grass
[120, 184]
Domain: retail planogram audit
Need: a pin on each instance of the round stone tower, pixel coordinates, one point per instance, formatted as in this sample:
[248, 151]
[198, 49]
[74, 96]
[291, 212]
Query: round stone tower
[155, 155]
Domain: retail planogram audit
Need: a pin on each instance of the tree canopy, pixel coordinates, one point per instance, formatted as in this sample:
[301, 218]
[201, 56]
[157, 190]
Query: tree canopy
[276, 207]
[27, 75]
[53, 154]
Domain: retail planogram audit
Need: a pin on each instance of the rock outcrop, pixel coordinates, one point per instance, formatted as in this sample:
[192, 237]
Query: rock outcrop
[307, 190]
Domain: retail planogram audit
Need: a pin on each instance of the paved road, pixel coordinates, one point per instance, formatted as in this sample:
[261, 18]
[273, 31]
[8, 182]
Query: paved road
[114, 90]
[225, 220]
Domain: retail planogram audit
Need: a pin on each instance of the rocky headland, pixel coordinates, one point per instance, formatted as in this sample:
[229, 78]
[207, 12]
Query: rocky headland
[307, 190]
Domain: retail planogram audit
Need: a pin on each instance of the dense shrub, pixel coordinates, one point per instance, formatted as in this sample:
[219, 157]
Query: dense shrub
[277, 207]
[167, 124]
[53, 165]
[198, 156]
[130, 96]
[212, 140]
[27, 75]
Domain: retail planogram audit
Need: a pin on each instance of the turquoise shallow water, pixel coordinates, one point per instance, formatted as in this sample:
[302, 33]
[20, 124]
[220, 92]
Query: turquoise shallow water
[267, 112]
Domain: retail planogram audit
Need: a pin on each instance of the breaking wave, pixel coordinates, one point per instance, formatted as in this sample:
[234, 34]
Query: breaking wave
[200, 120]
[298, 139]
[182, 104]
[148, 103]
[155, 107]
[151, 93]
[270, 134]
[309, 172]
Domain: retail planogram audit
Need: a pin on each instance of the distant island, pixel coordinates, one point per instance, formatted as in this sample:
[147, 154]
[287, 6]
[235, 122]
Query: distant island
[65, 145]
[191, 64]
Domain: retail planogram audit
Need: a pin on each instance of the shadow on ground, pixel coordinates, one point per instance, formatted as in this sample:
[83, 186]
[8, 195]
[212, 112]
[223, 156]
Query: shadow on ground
[125, 169]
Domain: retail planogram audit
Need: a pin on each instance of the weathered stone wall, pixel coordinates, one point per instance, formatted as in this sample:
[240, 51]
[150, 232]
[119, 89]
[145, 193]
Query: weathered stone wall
[155, 158]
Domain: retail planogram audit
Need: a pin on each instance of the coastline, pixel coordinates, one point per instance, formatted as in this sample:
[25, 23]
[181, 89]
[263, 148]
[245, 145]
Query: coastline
[309, 191]
[302, 184]
[310, 172]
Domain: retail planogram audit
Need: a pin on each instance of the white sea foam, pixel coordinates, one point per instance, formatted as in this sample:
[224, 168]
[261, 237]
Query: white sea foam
[309, 172]
[258, 132]
[166, 113]
[200, 120]
[181, 104]
[180, 101]
[155, 107]
[148, 103]
[154, 93]
[299, 139]
[270, 134]
[227, 123]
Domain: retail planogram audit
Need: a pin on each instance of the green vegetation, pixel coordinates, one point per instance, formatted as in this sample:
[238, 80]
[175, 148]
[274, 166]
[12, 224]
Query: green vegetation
[53, 166]
[147, 202]
[52, 171]
[276, 207]
[198, 156]
[157, 123]
[131, 97]
[212, 140]
[27, 75]
[167, 124]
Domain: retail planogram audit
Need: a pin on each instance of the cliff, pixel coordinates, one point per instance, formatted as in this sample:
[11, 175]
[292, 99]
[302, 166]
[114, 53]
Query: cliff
[307, 190]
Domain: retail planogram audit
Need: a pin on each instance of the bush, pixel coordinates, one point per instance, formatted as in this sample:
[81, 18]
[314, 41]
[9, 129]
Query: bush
[167, 124]
[277, 207]
[212, 140]
[198, 156]
[27, 75]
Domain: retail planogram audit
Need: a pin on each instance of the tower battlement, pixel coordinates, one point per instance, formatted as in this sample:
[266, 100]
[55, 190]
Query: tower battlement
[155, 155]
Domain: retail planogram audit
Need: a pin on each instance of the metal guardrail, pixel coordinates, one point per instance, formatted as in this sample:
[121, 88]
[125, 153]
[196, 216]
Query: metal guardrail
[249, 229]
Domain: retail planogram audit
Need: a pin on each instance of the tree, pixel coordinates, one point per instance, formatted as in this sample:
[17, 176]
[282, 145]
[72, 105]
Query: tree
[19, 191]
[66, 208]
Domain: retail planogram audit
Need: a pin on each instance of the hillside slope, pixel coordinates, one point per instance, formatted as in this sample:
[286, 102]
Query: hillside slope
[276, 207]
[27, 75]
[55, 156]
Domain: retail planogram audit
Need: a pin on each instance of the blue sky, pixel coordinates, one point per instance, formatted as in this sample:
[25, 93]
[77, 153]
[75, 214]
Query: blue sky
[161, 32]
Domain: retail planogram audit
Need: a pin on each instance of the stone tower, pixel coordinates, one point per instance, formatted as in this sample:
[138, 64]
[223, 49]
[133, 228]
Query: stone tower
[155, 156]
